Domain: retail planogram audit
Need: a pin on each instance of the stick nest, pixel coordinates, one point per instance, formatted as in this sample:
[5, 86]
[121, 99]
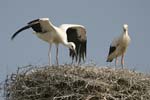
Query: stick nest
[67, 82]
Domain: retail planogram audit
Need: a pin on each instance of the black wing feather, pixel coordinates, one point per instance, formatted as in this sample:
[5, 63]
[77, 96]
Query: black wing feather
[16, 33]
[80, 40]
[34, 21]
[35, 25]
[111, 50]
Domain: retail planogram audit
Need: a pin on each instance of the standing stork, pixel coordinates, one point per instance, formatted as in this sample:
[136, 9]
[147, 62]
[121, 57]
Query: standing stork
[119, 46]
[72, 36]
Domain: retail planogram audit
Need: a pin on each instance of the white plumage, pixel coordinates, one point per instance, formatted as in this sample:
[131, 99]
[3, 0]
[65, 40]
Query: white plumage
[119, 46]
[70, 35]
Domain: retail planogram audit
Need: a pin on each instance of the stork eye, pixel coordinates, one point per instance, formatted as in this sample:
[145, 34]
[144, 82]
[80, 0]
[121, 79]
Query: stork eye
[72, 47]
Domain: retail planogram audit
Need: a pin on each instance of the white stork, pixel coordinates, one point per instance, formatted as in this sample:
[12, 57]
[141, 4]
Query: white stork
[72, 36]
[119, 46]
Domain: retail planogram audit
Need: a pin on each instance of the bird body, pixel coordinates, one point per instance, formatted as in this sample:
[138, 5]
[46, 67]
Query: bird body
[119, 45]
[50, 33]
[64, 34]
[52, 37]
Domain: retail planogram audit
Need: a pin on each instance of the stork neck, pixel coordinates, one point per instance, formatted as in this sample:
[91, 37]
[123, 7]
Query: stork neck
[66, 44]
[69, 45]
[125, 32]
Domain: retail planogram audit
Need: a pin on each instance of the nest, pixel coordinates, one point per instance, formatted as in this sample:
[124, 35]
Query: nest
[76, 83]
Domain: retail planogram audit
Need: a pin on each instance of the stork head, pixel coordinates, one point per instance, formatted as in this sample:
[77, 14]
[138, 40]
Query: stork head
[125, 27]
[72, 46]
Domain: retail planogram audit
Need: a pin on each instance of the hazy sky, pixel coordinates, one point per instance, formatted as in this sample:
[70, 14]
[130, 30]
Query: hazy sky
[103, 20]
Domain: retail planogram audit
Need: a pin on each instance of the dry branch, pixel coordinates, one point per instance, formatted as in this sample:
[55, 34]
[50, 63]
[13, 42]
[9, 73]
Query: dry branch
[76, 83]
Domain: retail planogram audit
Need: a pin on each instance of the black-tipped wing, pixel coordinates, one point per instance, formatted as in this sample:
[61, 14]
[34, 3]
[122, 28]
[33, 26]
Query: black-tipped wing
[16, 33]
[35, 25]
[111, 50]
[41, 25]
[77, 35]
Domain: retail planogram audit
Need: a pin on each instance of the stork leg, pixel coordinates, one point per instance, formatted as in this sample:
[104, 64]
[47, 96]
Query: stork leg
[116, 61]
[122, 60]
[49, 54]
[57, 54]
